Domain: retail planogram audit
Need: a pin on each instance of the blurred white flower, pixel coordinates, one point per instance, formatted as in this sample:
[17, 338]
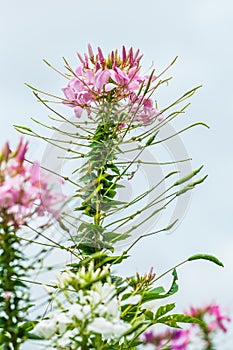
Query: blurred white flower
[113, 308]
[102, 326]
[45, 329]
[61, 320]
[66, 339]
[132, 300]
[75, 310]
[108, 329]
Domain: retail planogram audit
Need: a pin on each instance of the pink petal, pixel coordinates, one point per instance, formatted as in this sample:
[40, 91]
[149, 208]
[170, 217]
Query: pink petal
[102, 79]
[78, 111]
[101, 56]
[148, 103]
[110, 86]
[35, 174]
[90, 51]
[80, 57]
[122, 75]
[123, 54]
[90, 76]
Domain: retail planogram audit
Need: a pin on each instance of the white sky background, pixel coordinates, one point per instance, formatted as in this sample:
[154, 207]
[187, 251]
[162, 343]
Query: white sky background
[200, 33]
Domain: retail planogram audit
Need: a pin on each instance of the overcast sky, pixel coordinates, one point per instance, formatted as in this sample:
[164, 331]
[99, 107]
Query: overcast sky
[200, 33]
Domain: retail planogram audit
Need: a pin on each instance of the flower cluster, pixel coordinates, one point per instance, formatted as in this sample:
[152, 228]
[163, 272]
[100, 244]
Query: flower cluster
[182, 338]
[215, 317]
[174, 340]
[87, 313]
[24, 189]
[98, 80]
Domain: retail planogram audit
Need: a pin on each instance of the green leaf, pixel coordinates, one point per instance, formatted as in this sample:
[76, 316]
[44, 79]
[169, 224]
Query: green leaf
[2, 321]
[162, 310]
[33, 336]
[114, 237]
[23, 130]
[114, 168]
[157, 293]
[174, 287]
[158, 290]
[135, 327]
[187, 177]
[149, 82]
[172, 320]
[27, 326]
[191, 186]
[109, 193]
[151, 139]
[149, 315]
[63, 226]
[206, 257]
[149, 296]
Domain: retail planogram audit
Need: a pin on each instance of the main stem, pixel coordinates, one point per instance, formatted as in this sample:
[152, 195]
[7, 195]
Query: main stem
[97, 199]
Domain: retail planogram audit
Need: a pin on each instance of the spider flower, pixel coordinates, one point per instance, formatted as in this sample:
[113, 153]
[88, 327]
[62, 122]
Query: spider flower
[24, 189]
[177, 339]
[213, 315]
[111, 79]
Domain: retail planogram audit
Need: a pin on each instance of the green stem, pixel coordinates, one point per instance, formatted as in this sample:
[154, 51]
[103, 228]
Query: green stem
[11, 304]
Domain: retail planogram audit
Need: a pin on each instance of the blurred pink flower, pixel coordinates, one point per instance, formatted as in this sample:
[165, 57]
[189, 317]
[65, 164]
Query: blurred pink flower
[178, 339]
[24, 189]
[220, 318]
[217, 317]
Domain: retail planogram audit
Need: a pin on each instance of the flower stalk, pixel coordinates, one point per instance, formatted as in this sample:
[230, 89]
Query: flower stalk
[14, 299]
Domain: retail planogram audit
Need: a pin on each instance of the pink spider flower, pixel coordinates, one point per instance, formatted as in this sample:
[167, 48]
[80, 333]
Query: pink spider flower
[24, 189]
[177, 339]
[217, 318]
[112, 79]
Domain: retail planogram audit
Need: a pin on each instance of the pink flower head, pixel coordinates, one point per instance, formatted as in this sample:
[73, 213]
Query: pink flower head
[180, 339]
[114, 78]
[219, 318]
[24, 189]
[177, 339]
[213, 315]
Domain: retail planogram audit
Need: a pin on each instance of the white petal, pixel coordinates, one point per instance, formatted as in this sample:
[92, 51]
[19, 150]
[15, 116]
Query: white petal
[134, 299]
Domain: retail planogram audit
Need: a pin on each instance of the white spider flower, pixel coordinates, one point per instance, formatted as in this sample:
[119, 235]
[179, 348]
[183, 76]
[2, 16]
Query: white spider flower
[107, 329]
[45, 329]
[57, 322]
[76, 311]
[66, 340]
[132, 300]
